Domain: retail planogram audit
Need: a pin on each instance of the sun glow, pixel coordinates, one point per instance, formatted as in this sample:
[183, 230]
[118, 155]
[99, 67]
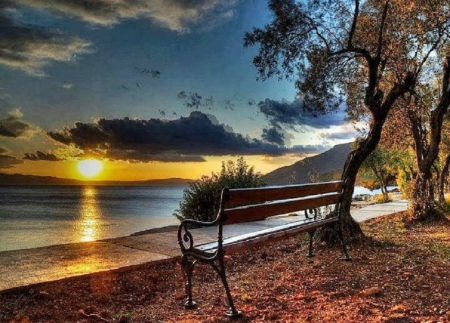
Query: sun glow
[89, 167]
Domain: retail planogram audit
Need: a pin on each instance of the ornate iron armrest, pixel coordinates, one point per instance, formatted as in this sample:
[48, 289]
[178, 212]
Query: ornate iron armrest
[185, 238]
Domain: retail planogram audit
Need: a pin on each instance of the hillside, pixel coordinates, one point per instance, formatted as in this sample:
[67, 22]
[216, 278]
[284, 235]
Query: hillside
[328, 165]
[18, 179]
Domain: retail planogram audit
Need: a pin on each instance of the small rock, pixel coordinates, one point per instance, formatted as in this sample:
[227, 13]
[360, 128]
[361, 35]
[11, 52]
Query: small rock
[180, 295]
[372, 291]
[400, 308]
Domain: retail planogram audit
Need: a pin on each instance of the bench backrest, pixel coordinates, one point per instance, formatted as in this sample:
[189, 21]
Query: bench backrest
[252, 204]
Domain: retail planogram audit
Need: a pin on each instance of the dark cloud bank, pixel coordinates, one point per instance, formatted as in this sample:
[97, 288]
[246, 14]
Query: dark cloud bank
[13, 127]
[9, 161]
[182, 140]
[293, 114]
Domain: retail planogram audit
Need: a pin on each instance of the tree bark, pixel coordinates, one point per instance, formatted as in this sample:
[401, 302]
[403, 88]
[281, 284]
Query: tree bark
[351, 168]
[379, 109]
[442, 179]
[423, 205]
[383, 186]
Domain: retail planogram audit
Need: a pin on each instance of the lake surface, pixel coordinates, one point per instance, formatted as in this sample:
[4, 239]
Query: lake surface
[37, 216]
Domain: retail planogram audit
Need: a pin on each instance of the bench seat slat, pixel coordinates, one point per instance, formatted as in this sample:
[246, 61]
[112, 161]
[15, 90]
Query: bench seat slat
[245, 196]
[263, 211]
[281, 231]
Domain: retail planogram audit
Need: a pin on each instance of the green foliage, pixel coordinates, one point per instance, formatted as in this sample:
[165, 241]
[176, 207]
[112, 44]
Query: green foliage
[403, 183]
[378, 170]
[370, 183]
[201, 197]
[446, 205]
[439, 247]
[380, 164]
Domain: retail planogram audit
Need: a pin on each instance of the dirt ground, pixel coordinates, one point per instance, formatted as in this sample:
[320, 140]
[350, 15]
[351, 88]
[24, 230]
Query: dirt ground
[401, 273]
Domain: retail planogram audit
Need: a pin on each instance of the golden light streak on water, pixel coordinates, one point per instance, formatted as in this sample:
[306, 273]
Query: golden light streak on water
[90, 215]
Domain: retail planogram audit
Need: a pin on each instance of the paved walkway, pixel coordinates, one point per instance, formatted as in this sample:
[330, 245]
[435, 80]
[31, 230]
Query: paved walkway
[30, 266]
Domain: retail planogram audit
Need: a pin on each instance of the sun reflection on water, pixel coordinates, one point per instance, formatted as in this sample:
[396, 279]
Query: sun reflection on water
[90, 215]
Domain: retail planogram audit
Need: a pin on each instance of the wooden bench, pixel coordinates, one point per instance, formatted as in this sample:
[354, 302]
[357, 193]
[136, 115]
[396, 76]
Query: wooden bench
[313, 201]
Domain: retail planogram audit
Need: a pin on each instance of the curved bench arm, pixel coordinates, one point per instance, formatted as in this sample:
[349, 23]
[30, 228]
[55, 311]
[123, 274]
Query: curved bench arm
[185, 238]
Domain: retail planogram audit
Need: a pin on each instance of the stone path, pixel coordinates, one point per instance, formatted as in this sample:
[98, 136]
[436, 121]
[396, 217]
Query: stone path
[31, 266]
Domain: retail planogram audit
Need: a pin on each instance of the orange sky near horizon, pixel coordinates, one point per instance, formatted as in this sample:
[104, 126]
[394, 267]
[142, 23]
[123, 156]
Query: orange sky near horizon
[125, 171]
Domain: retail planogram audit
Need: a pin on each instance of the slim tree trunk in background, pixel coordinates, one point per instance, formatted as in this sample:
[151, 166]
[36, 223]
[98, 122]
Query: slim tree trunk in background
[383, 186]
[442, 180]
[423, 205]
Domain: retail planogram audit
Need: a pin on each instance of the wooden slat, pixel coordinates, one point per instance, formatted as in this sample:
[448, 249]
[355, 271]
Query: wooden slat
[278, 232]
[247, 196]
[263, 211]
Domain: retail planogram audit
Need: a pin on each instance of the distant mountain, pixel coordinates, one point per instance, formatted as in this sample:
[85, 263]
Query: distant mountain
[19, 179]
[324, 167]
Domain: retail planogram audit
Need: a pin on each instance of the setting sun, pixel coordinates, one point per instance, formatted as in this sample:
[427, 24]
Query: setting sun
[89, 167]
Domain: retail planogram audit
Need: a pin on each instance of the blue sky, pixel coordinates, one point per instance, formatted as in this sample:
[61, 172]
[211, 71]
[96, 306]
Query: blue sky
[145, 85]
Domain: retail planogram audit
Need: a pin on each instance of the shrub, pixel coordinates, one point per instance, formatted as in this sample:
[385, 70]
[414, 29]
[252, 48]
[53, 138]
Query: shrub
[201, 197]
[380, 198]
[403, 183]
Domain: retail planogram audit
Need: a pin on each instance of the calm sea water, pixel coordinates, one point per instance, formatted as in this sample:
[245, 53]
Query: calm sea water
[37, 216]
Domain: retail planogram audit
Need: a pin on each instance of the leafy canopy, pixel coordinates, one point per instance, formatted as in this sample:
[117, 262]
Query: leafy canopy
[357, 51]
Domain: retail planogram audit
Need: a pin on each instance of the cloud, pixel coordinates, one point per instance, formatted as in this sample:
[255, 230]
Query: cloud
[176, 15]
[195, 100]
[348, 132]
[273, 135]
[39, 155]
[292, 114]
[184, 139]
[309, 149]
[67, 86]
[16, 113]
[13, 127]
[29, 48]
[9, 161]
[345, 135]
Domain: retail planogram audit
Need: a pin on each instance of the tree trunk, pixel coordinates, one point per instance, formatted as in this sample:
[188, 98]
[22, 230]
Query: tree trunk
[442, 179]
[379, 110]
[384, 191]
[423, 201]
[422, 205]
[383, 186]
[350, 227]
[351, 168]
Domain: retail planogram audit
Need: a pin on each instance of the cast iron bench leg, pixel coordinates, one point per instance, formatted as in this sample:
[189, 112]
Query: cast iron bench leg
[220, 268]
[338, 229]
[188, 268]
[311, 237]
